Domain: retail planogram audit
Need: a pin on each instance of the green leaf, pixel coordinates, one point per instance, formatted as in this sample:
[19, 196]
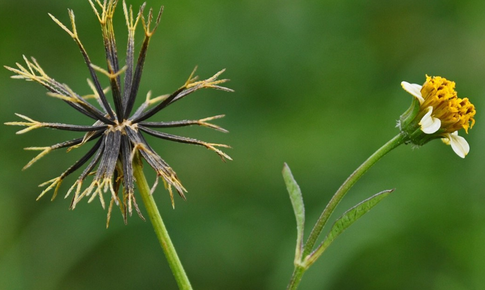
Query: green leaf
[352, 215]
[298, 207]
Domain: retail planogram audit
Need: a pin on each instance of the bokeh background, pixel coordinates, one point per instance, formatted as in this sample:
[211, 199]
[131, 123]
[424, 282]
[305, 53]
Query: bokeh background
[317, 85]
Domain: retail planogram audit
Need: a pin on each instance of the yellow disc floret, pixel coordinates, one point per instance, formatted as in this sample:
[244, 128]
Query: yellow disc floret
[454, 113]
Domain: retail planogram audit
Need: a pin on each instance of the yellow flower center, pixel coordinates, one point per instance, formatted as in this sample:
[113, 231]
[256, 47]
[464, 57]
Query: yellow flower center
[454, 113]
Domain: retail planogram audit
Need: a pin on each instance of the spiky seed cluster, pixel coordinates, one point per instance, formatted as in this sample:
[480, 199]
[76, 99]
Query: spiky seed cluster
[117, 133]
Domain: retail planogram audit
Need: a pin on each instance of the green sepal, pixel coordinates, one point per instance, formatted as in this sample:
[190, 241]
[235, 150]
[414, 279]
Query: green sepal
[408, 118]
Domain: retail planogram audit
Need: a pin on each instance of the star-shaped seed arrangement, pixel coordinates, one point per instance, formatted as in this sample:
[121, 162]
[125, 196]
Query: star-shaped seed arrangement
[118, 132]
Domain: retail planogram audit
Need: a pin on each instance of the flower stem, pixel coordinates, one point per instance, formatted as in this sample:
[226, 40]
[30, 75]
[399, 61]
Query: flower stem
[159, 227]
[296, 277]
[344, 188]
[309, 256]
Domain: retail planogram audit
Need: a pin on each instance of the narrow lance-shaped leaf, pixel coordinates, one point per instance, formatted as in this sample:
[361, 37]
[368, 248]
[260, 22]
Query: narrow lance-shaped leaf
[348, 218]
[298, 207]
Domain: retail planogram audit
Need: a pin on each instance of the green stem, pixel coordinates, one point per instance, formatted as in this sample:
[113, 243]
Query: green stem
[307, 257]
[296, 277]
[344, 188]
[159, 227]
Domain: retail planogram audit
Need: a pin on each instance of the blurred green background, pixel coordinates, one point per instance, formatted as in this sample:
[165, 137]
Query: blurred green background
[317, 85]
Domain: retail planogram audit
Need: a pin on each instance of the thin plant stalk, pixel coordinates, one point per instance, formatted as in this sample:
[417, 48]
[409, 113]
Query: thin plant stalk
[159, 227]
[309, 255]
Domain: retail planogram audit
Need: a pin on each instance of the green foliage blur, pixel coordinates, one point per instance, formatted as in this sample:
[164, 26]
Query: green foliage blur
[317, 85]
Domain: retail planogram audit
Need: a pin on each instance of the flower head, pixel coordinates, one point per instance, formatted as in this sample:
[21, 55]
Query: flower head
[117, 131]
[437, 112]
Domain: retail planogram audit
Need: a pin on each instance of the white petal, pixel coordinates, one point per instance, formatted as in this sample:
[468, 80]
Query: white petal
[430, 124]
[413, 89]
[458, 144]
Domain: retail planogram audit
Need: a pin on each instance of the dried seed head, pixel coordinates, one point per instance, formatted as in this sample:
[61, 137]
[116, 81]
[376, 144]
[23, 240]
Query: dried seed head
[118, 133]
